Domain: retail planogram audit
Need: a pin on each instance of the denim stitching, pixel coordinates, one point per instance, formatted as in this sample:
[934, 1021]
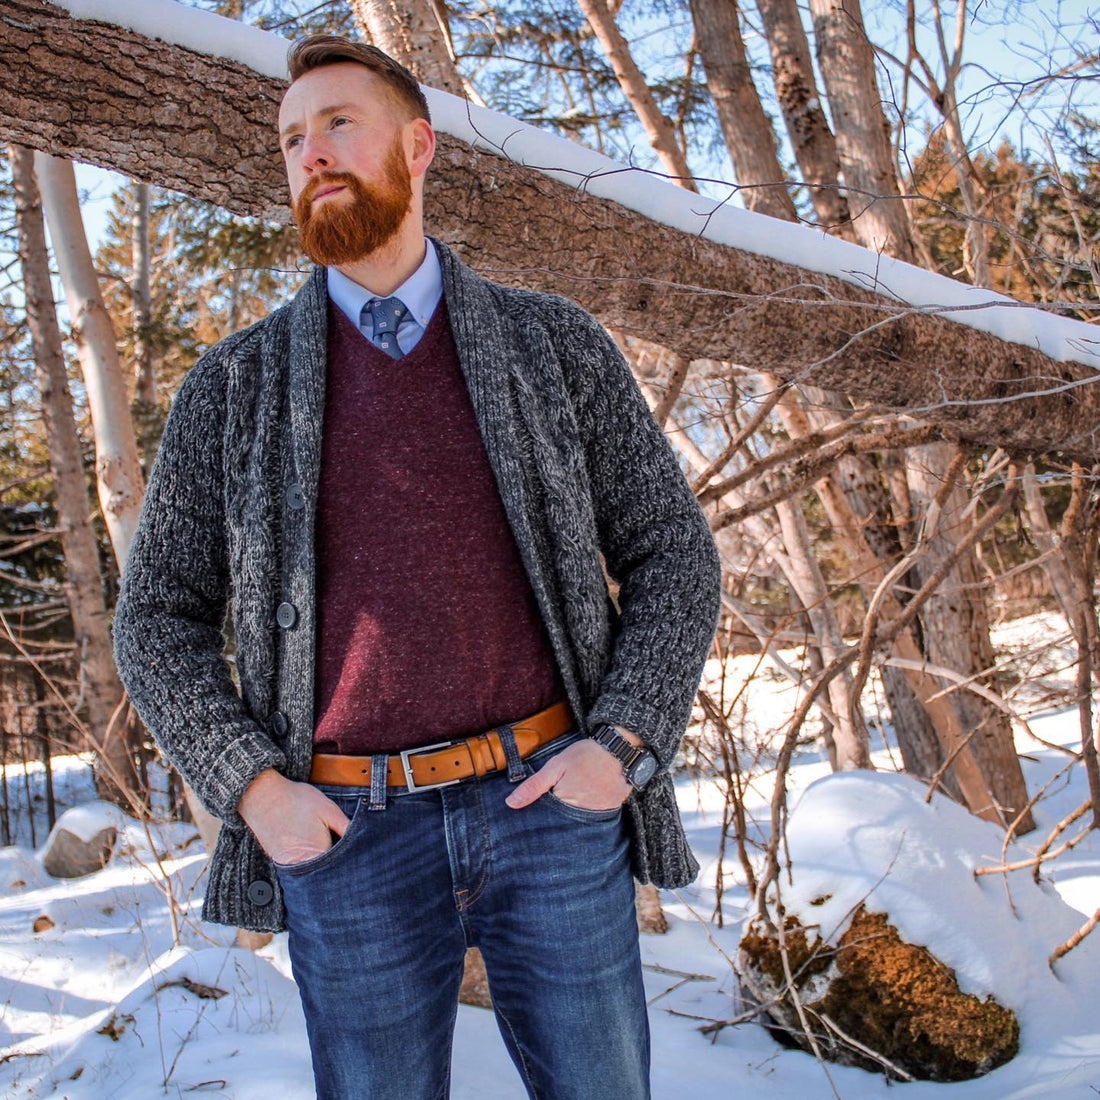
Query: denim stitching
[519, 1049]
[487, 862]
[379, 780]
[511, 754]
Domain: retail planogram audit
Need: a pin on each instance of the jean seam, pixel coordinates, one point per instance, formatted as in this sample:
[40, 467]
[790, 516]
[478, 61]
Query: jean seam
[445, 1089]
[519, 1048]
[487, 843]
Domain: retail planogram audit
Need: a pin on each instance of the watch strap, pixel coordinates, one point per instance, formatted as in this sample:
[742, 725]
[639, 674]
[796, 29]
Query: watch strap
[626, 752]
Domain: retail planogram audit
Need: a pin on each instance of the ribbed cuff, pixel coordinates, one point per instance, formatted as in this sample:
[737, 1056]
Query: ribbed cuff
[650, 724]
[243, 759]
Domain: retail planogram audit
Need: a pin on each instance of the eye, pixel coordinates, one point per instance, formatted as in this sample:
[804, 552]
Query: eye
[340, 118]
[292, 142]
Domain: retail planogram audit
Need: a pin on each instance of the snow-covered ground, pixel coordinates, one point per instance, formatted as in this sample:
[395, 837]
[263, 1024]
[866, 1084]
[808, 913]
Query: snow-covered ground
[101, 1004]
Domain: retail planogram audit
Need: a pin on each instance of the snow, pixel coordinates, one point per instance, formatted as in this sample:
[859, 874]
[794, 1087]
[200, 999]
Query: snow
[89, 818]
[106, 1003]
[866, 838]
[647, 193]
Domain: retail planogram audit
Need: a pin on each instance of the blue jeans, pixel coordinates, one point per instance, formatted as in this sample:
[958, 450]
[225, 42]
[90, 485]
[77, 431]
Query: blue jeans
[379, 925]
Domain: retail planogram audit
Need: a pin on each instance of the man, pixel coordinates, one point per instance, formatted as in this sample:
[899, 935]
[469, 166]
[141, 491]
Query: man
[445, 734]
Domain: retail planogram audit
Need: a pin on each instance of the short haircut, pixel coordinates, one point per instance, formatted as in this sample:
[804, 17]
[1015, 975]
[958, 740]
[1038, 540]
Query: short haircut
[318, 50]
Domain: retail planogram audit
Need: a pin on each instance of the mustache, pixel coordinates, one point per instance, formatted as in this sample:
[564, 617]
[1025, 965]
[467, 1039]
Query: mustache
[325, 179]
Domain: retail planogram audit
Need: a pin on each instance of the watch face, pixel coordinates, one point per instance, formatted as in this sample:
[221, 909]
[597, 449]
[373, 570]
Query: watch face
[643, 771]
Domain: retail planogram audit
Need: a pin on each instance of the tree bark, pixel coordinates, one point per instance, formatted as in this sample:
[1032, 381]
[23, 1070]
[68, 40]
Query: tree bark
[100, 93]
[416, 33]
[850, 731]
[956, 631]
[811, 139]
[748, 133]
[862, 136]
[1061, 583]
[141, 296]
[118, 472]
[115, 776]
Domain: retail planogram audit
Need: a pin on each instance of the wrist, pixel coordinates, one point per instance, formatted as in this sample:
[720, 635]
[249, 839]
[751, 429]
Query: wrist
[633, 738]
[637, 762]
[259, 792]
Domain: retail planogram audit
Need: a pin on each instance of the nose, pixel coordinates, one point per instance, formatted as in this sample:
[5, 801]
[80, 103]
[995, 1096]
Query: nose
[315, 154]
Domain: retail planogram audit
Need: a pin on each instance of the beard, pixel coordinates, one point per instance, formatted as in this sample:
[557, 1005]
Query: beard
[349, 229]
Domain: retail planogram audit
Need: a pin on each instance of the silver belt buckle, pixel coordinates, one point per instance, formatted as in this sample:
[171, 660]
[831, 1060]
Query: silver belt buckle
[411, 783]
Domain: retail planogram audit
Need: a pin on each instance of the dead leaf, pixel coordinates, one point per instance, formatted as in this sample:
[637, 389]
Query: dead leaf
[43, 923]
[115, 1026]
[207, 992]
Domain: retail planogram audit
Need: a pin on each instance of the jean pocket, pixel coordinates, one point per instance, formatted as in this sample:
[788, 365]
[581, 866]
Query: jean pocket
[580, 813]
[337, 848]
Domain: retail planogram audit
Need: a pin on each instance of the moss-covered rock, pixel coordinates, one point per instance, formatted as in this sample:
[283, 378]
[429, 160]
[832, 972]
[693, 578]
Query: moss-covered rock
[893, 998]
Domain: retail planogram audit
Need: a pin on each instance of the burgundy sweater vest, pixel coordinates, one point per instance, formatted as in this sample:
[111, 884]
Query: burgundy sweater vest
[427, 626]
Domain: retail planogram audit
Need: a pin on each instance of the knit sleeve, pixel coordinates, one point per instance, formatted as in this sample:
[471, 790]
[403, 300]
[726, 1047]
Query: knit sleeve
[655, 539]
[168, 626]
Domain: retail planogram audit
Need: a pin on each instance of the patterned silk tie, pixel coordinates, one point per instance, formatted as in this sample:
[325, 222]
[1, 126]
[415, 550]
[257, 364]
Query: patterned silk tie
[386, 315]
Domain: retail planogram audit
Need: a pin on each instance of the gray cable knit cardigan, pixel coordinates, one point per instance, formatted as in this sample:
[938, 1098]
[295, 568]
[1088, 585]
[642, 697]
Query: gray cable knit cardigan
[582, 468]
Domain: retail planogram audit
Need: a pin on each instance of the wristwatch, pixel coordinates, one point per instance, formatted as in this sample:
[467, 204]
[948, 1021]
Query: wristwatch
[639, 764]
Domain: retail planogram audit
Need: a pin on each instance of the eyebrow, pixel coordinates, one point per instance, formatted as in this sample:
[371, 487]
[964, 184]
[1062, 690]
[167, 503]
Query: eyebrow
[325, 112]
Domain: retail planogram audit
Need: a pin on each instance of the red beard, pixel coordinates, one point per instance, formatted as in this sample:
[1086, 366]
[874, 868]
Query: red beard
[344, 230]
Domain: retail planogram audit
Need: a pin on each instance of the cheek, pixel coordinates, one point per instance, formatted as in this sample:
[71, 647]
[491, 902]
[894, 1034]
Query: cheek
[296, 181]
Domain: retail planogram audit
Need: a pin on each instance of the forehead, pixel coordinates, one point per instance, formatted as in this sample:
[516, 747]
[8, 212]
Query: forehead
[344, 84]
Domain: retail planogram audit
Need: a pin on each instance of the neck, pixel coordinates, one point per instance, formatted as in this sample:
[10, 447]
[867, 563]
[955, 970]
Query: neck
[382, 272]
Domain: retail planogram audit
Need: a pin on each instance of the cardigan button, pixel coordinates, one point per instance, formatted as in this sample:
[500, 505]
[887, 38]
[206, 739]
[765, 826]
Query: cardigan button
[260, 892]
[286, 615]
[279, 724]
[295, 497]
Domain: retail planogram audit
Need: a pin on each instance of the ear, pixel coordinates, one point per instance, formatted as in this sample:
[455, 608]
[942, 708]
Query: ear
[422, 141]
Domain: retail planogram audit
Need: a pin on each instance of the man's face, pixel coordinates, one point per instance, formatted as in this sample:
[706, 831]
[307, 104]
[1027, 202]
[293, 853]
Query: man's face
[346, 145]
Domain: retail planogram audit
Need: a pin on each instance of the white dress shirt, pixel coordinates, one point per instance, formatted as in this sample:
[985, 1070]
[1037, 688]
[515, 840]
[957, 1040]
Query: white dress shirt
[420, 294]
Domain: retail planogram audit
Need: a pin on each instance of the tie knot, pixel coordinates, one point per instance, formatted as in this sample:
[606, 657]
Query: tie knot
[386, 315]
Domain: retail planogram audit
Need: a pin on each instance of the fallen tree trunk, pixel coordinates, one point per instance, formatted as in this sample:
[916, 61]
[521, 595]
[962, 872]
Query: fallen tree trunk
[96, 92]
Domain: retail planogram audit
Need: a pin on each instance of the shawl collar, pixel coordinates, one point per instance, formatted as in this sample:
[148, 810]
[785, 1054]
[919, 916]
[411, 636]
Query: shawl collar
[480, 327]
[308, 357]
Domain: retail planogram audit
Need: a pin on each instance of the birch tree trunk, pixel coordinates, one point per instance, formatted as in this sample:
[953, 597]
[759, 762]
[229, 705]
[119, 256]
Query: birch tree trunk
[118, 471]
[750, 142]
[115, 776]
[955, 621]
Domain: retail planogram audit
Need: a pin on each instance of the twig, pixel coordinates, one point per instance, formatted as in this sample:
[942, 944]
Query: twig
[893, 1067]
[1074, 940]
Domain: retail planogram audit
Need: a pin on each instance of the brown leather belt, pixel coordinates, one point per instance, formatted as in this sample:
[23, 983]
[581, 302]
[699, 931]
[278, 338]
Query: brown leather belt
[446, 762]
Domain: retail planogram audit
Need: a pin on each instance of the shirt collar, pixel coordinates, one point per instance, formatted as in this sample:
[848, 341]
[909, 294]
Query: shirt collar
[420, 292]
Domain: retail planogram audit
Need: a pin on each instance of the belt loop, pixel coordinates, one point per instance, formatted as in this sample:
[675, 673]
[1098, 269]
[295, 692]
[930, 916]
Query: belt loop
[511, 753]
[379, 774]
